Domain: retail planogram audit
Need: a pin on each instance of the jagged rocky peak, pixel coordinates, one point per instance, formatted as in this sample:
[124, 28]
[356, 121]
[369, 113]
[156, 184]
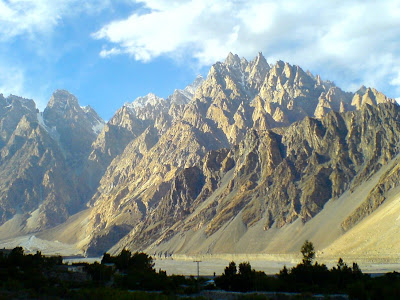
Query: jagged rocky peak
[149, 99]
[228, 73]
[179, 98]
[35, 177]
[284, 92]
[191, 88]
[233, 60]
[94, 118]
[123, 117]
[75, 128]
[259, 63]
[63, 109]
[182, 97]
[62, 100]
[374, 97]
[28, 104]
[149, 107]
[92, 114]
[361, 91]
[12, 109]
[369, 96]
[16, 103]
[131, 121]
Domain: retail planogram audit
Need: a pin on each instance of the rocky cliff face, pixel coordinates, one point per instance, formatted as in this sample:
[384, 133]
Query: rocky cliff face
[40, 158]
[272, 179]
[245, 153]
[237, 106]
[144, 115]
[75, 128]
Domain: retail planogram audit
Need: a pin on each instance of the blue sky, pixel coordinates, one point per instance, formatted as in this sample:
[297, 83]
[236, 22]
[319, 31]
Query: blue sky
[109, 52]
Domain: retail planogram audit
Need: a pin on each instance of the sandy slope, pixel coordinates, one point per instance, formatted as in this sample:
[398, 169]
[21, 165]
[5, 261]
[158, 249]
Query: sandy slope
[374, 239]
[73, 231]
[236, 238]
[62, 240]
[31, 244]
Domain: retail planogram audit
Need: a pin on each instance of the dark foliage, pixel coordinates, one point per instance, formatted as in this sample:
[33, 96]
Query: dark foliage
[308, 277]
[99, 273]
[127, 261]
[308, 252]
[136, 272]
[35, 276]
[32, 276]
[247, 279]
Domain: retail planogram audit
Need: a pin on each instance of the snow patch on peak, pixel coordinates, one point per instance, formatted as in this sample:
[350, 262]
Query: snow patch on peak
[149, 99]
[86, 108]
[51, 131]
[97, 128]
[41, 121]
[190, 90]
[97, 122]
[180, 97]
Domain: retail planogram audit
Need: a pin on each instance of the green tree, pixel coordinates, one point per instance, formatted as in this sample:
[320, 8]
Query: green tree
[122, 260]
[141, 261]
[308, 252]
[16, 257]
[284, 273]
[245, 269]
[231, 269]
[99, 272]
[107, 259]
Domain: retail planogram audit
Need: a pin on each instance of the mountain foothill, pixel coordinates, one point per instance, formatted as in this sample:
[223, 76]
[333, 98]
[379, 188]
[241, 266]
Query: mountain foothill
[253, 159]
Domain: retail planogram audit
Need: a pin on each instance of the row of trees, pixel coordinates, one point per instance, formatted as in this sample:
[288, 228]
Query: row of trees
[17, 258]
[135, 271]
[40, 275]
[312, 277]
[32, 272]
[34, 275]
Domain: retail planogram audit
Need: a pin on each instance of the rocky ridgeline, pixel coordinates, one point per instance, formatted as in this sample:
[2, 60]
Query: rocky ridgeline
[274, 179]
[40, 158]
[254, 144]
[236, 97]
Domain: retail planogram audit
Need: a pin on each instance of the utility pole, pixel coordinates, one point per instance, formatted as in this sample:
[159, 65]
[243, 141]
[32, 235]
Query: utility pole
[198, 268]
[198, 274]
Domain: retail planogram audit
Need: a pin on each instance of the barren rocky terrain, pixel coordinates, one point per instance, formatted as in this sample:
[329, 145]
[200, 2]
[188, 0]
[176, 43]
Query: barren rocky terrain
[250, 161]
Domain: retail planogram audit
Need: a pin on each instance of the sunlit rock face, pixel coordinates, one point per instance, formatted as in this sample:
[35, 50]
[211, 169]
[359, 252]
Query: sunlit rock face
[259, 140]
[246, 152]
[41, 157]
[75, 128]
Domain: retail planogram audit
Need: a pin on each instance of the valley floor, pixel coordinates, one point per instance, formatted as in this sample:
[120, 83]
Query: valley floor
[208, 267]
[188, 267]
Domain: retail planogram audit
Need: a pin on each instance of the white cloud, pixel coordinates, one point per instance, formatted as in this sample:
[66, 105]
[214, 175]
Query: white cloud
[110, 52]
[351, 41]
[32, 17]
[13, 81]
[33, 21]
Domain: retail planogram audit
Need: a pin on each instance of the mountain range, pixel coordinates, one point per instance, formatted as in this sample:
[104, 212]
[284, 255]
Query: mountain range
[253, 159]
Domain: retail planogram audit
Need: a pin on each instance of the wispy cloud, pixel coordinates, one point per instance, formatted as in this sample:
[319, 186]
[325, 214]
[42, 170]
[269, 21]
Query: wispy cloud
[11, 80]
[33, 17]
[28, 26]
[352, 41]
